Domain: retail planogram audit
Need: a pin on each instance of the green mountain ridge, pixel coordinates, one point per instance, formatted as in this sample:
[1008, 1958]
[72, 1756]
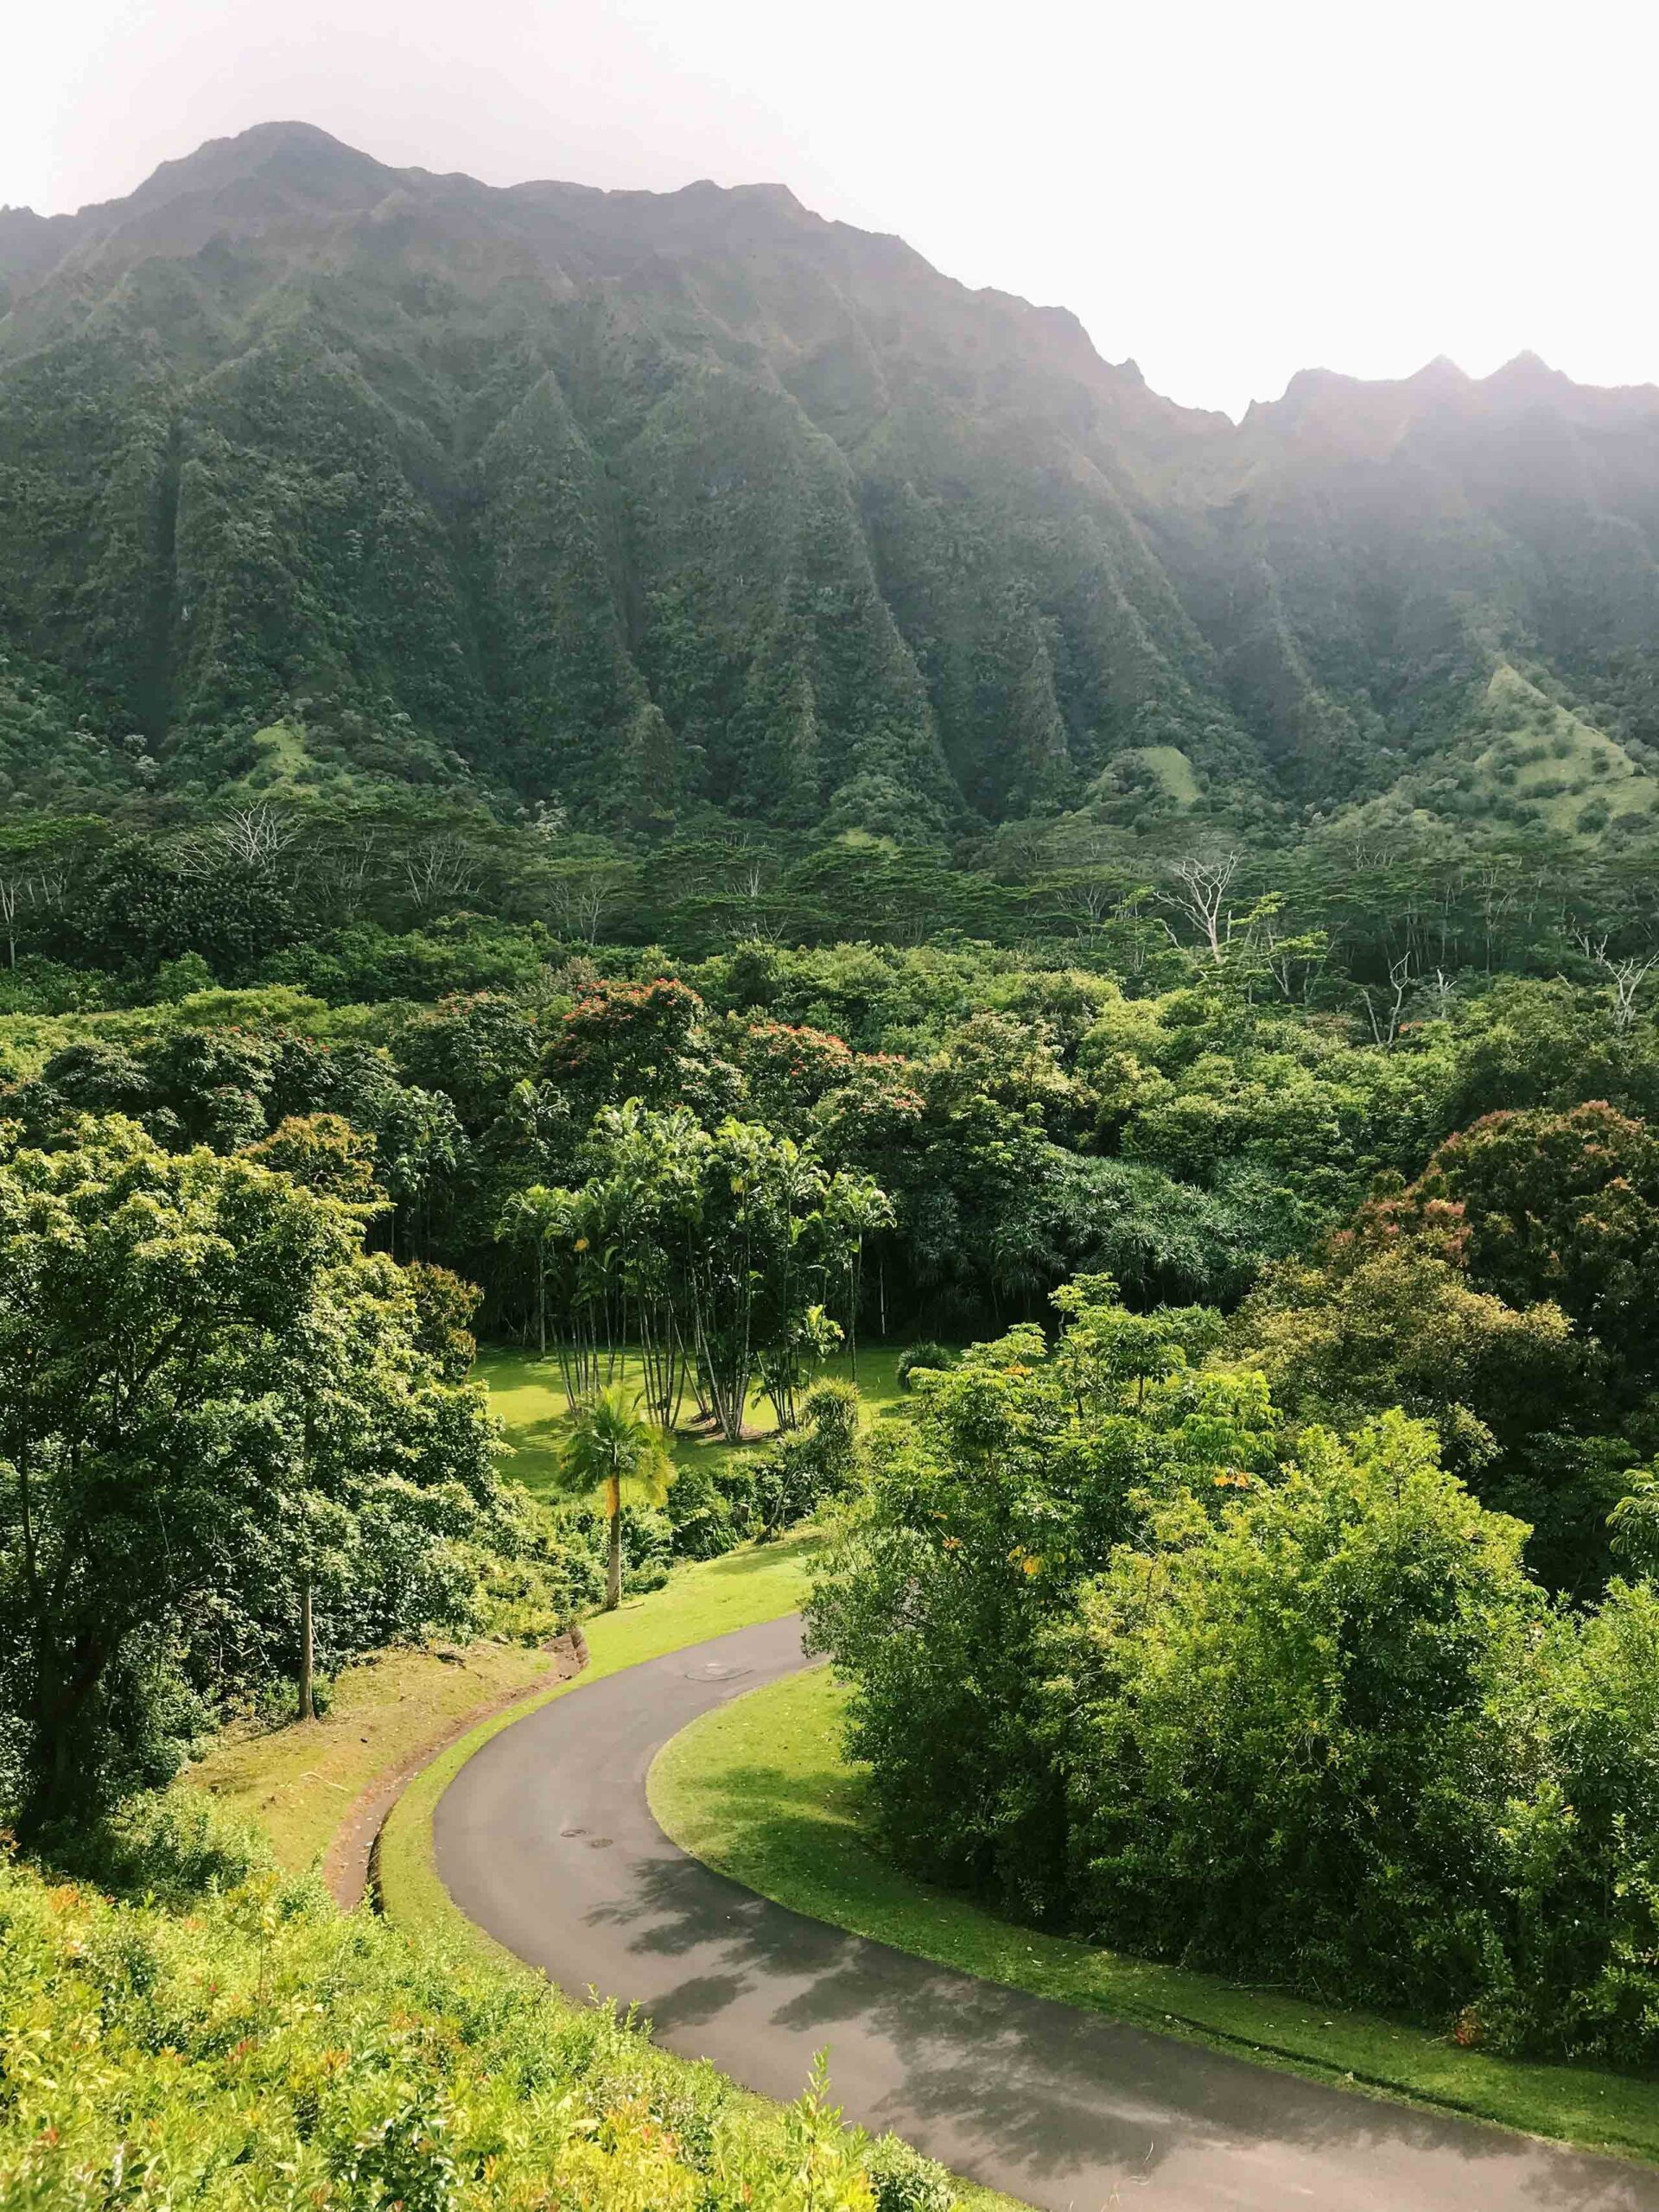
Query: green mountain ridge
[651, 504]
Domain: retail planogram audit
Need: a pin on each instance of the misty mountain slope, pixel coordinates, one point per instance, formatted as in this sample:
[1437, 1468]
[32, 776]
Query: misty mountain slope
[649, 502]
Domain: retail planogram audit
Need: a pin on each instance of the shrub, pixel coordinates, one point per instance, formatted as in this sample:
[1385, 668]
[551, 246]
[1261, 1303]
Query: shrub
[926, 1354]
[816, 1462]
[1302, 1716]
[903, 2181]
[264, 2049]
[168, 1846]
[705, 1512]
[1319, 1802]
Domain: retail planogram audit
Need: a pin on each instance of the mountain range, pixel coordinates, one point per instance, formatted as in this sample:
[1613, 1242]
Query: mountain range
[314, 472]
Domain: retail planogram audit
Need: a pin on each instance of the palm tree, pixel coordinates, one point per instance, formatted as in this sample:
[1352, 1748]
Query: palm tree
[536, 1217]
[607, 1446]
[856, 1206]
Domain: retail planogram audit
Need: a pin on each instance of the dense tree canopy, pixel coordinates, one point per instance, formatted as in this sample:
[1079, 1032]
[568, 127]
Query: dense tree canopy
[210, 1399]
[1214, 1688]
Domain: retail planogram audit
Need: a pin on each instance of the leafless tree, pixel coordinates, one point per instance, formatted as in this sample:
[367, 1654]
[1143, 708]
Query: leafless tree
[751, 881]
[750, 885]
[437, 870]
[1624, 977]
[1498, 893]
[15, 888]
[1196, 889]
[1442, 986]
[32, 881]
[1386, 1006]
[252, 837]
[348, 867]
[579, 902]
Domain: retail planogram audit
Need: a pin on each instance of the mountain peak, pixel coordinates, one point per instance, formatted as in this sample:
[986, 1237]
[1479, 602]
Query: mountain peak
[1527, 368]
[1442, 372]
[296, 159]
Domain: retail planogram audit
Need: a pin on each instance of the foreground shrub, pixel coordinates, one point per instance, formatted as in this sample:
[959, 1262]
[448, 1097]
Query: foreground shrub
[1022, 1467]
[169, 1847]
[1340, 1738]
[266, 2050]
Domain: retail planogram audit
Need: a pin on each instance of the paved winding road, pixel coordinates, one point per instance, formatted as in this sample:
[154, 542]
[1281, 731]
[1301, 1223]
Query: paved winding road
[545, 1839]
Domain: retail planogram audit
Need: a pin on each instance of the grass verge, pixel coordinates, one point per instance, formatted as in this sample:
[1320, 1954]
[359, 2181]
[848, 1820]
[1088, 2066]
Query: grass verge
[756, 1584]
[760, 1789]
[298, 1782]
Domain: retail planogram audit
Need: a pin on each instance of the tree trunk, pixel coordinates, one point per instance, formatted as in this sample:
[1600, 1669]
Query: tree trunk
[59, 1703]
[308, 1651]
[613, 1566]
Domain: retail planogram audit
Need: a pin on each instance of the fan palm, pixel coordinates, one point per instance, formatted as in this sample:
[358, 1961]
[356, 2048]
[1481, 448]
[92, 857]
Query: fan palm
[608, 1450]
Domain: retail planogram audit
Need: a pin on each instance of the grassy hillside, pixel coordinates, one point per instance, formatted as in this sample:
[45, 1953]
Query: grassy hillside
[527, 1393]
[1564, 772]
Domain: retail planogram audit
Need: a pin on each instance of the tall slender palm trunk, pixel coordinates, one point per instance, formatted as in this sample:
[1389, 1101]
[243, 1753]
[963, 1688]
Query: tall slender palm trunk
[308, 1653]
[613, 1566]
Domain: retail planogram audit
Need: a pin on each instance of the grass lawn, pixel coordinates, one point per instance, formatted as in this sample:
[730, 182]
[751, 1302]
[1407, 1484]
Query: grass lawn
[759, 1789]
[528, 1394]
[757, 1584]
[297, 1783]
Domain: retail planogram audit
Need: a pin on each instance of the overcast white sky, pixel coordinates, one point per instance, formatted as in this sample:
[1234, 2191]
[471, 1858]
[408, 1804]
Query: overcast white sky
[1227, 191]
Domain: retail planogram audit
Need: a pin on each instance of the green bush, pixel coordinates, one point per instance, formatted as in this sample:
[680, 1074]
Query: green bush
[170, 1848]
[903, 2181]
[264, 2049]
[1292, 1710]
[926, 1354]
[708, 1513]
[792, 1477]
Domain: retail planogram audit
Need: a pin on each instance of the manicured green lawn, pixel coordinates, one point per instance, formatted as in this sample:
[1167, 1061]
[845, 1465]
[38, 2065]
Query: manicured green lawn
[527, 1393]
[757, 1584]
[298, 1782]
[760, 1789]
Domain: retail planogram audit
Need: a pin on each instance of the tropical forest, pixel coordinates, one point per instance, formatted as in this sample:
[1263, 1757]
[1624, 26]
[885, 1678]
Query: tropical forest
[752, 1027]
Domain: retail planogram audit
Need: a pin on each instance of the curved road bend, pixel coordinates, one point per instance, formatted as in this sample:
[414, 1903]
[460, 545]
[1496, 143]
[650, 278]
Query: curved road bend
[544, 1838]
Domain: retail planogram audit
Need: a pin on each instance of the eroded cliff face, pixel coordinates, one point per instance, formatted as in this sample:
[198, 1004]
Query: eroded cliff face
[636, 500]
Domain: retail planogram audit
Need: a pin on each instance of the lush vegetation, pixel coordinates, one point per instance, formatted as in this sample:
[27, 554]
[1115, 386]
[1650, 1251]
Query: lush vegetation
[730, 839]
[662, 509]
[231, 2032]
[261, 2047]
[1244, 1692]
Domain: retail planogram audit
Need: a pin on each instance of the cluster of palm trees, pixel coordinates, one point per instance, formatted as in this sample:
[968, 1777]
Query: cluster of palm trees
[721, 1255]
[716, 1256]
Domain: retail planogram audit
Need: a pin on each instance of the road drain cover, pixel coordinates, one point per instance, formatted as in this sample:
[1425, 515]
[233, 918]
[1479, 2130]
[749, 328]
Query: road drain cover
[712, 1671]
